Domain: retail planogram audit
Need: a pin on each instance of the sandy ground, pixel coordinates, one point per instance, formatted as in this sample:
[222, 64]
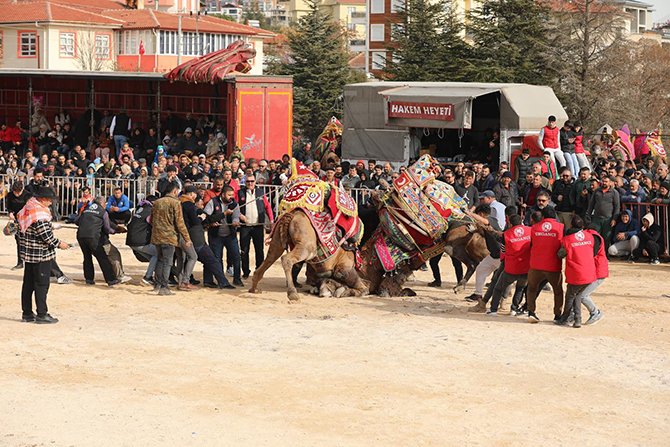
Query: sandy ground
[127, 368]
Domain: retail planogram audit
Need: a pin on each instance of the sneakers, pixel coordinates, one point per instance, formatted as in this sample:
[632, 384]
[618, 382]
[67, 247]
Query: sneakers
[28, 318]
[114, 283]
[230, 271]
[654, 261]
[478, 308]
[424, 268]
[533, 318]
[571, 319]
[561, 321]
[578, 323]
[491, 313]
[148, 281]
[63, 280]
[517, 313]
[472, 298]
[164, 291]
[46, 319]
[435, 284]
[18, 266]
[125, 278]
[596, 317]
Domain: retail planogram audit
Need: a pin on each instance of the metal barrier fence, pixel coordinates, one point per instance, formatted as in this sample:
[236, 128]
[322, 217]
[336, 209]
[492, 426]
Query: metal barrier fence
[661, 214]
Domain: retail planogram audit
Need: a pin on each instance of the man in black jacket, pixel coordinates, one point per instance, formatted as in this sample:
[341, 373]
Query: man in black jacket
[255, 214]
[196, 231]
[562, 195]
[92, 235]
[16, 200]
[650, 235]
[138, 238]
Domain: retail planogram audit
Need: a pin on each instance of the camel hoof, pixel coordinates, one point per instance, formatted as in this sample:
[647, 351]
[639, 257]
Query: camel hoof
[459, 288]
[254, 290]
[339, 293]
[294, 296]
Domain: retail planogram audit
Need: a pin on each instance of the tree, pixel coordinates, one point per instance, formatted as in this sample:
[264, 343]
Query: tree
[89, 57]
[317, 58]
[253, 12]
[588, 44]
[510, 42]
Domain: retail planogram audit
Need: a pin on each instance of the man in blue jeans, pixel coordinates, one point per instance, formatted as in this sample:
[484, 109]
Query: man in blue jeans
[224, 219]
[167, 223]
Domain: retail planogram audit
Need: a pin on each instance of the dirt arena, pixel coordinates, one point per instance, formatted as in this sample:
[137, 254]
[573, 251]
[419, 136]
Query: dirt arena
[125, 367]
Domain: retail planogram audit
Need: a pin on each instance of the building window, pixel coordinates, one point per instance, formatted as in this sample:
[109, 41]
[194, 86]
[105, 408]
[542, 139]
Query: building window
[102, 46]
[377, 33]
[377, 6]
[378, 60]
[67, 44]
[28, 44]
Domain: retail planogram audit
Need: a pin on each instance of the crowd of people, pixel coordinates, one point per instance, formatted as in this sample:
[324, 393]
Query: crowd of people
[197, 190]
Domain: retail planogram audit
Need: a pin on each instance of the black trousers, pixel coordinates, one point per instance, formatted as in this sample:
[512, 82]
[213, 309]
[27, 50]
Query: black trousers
[212, 265]
[250, 234]
[435, 268]
[651, 247]
[35, 281]
[120, 217]
[502, 283]
[56, 272]
[89, 248]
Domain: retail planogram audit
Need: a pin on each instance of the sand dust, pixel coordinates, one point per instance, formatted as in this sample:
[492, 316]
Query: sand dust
[125, 367]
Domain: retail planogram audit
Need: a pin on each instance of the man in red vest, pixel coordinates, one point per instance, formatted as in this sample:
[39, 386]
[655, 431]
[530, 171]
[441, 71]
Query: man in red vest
[579, 248]
[549, 141]
[517, 262]
[602, 272]
[546, 237]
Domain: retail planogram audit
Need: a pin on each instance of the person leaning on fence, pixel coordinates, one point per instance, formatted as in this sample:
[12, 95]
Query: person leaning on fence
[37, 247]
[167, 223]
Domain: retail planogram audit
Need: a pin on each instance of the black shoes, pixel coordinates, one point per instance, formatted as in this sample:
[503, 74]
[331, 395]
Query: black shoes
[210, 285]
[18, 266]
[46, 319]
[28, 318]
[436, 284]
[472, 298]
[238, 283]
[90, 282]
[245, 276]
[227, 287]
[114, 282]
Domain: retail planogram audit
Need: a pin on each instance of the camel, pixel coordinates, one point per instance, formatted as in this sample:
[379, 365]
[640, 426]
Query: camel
[469, 248]
[294, 229]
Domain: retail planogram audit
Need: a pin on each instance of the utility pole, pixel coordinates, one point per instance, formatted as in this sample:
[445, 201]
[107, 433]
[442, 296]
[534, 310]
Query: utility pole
[179, 39]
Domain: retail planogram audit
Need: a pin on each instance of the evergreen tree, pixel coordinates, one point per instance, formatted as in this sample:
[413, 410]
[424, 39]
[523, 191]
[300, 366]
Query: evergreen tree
[511, 42]
[317, 58]
[416, 46]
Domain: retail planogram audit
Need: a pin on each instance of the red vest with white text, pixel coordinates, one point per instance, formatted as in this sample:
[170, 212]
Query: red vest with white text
[550, 139]
[517, 250]
[545, 239]
[580, 264]
[602, 264]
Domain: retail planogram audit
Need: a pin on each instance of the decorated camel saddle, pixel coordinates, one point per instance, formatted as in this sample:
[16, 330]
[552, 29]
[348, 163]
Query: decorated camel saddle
[328, 140]
[332, 211]
[415, 215]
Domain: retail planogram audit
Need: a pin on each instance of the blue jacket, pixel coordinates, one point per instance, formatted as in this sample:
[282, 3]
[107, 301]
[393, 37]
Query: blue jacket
[123, 203]
[632, 228]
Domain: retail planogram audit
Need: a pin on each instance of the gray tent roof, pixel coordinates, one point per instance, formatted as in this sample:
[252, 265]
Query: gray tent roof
[522, 106]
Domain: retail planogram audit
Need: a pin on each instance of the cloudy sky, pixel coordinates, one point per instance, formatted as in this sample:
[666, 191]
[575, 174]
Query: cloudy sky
[661, 10]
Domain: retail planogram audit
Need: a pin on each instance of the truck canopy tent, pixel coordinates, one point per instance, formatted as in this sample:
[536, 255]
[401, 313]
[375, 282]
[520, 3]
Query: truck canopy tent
[371, 131]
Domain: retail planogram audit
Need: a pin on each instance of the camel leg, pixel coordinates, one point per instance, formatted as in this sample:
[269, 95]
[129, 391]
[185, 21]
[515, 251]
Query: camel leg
[275, 250]
[288, 261]
[468, 274]
[353, 285]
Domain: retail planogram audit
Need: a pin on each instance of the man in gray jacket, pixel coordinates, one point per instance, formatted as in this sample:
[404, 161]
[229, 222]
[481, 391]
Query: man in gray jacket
[604, 208]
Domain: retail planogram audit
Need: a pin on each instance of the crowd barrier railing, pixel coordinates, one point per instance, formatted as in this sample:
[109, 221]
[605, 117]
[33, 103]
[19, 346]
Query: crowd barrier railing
[661, 214]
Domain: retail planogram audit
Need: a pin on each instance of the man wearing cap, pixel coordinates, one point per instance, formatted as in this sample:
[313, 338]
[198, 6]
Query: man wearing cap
[549, 141]
[497, 208]
[37, 248]
[506, 191]
[187, 144]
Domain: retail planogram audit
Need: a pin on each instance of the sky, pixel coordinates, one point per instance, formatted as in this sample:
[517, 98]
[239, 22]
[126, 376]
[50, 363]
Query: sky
[661, 10]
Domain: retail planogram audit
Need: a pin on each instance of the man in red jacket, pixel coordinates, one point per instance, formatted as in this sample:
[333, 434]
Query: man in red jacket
[546, 237]
[517, 262]
[579, 248]
[549, 141]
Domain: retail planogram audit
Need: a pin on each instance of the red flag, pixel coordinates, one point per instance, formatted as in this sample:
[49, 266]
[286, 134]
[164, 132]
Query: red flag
[141, 48]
